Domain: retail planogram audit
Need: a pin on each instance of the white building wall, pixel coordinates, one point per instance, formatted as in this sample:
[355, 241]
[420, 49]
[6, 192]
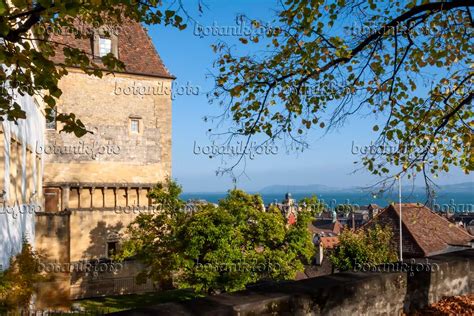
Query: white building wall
[18, 221]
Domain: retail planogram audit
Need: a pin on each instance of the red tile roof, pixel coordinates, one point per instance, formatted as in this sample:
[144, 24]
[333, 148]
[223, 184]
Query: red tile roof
[291, 219]
[135, 49]
[433, 233]
[325, 226]
[329, 242]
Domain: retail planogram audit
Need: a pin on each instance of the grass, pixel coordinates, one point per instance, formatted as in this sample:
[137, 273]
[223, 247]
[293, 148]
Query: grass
[112, 304]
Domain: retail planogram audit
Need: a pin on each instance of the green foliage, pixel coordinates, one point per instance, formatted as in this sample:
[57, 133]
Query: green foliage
[372, 246]
[27, 45]
[345, 208]
[408, 63]
[312, 205]
[17, 282]
[217, 248]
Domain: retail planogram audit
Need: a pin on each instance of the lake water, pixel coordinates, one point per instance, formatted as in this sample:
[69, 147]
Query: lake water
[455, 201]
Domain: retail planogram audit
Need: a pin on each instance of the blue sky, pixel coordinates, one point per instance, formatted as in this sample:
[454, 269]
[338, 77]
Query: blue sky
[329, 160]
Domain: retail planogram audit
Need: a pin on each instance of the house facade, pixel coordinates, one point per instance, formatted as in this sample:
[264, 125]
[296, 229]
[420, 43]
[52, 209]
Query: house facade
[21, 168]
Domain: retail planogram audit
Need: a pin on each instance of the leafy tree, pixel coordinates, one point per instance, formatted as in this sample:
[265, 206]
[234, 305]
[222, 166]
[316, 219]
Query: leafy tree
[26, 45]
[372, 246]
[323, 61]
[154, 235]
[345, 208]
[312, 205]
[17, 282]
[217, 248]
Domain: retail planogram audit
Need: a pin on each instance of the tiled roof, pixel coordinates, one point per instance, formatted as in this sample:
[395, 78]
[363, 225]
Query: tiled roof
[135, 50]
[325, 226]
[329, 242]
[433, 233]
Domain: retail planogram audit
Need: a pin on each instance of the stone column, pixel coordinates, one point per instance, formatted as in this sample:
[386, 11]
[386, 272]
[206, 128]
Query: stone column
[65, 197]
[139, 189]
[115, 197]
[92, 190]
[126, 196]
[79, 193]
[104, 192]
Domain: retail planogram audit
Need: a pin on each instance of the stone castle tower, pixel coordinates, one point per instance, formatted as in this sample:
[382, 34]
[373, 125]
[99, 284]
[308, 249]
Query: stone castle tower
[90, 181]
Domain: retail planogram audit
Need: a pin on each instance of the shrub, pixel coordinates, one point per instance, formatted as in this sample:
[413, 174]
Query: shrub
[17, 282]
[370, 246]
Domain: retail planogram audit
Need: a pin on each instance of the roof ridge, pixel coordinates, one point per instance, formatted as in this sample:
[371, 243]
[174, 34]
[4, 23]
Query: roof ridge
[155, 49]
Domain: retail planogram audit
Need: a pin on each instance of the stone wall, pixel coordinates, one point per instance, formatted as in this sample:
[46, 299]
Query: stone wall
[112, 154]
[355, 293]
[75, 235]
[84, 279]
[73, 249]
[91, 230]
[108, 279]
[53, 236]
[68, 239]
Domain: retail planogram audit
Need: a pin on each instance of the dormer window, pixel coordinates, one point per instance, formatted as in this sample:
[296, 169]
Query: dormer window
[104, 43]
[105, 46]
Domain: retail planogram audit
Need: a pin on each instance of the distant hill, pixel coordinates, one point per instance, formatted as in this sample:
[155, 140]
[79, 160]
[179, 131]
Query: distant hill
[465, 187]
[281, 189]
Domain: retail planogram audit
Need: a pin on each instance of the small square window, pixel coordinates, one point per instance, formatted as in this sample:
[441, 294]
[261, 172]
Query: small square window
[135, 126]
[105, 46]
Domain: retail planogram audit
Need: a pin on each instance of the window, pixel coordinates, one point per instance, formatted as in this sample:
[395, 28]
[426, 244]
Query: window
[51, 119]
[105, 41]
[105, 46]
[135, 126]
[112, 248]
